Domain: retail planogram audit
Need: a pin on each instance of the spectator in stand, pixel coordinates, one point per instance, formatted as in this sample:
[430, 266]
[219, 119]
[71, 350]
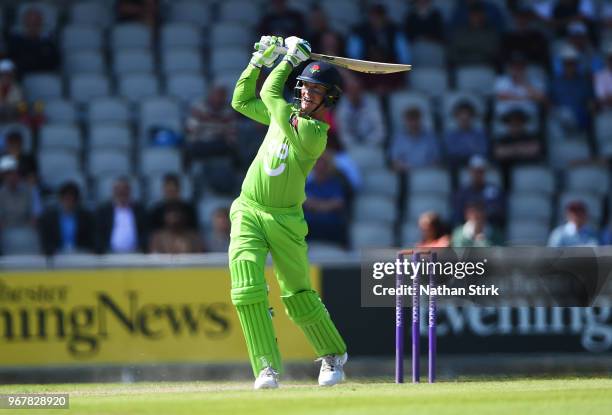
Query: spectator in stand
[67, 228]
[212, 126]
[11, 95]
[424, 22]
[321, 36]
[589, 59]
[524, 38]
[16, 199]
[465, 139]
[434, 233]
[138, 11]
[30, 48]
[359, 117]
[571, 93]
[576, 231]
[171, 189]
[517, 145]
[479, 191]
[379, 40]
[415, 146]
[175, 237]
[121, 223]
[461, 14]
[602, 83]
[516, 88]
[475, 42]
[565, 12]
[325, 208]
[476, 231]
[282, 21]
[26, 163]
[219, 238]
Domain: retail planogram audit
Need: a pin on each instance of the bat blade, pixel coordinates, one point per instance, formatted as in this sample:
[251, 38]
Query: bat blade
[352, 64]
[362, 66]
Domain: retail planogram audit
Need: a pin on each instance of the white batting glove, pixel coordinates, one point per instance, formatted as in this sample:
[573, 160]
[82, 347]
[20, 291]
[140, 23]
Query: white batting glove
[298, 50]
[265, 51]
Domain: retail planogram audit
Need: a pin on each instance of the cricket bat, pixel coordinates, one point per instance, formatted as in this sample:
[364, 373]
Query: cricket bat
[355, 64]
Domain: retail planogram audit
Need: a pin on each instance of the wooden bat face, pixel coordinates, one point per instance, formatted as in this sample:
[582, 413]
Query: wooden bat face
[362, 66]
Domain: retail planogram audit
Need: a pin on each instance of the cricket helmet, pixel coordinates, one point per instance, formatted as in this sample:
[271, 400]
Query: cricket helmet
[321, 73]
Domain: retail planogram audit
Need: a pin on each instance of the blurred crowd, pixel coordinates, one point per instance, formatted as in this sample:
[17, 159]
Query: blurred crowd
[496, 85]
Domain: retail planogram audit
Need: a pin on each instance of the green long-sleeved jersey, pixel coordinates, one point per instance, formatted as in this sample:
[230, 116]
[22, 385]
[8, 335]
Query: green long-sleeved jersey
[277, 175]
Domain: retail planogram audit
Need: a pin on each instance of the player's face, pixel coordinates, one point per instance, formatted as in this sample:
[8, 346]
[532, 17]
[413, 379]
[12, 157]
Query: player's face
[312, 96]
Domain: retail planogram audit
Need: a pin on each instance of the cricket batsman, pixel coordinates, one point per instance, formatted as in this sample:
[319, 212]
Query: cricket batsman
[268, 216]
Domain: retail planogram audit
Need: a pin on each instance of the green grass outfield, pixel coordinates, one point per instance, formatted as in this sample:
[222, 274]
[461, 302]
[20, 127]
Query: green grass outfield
[533, 396]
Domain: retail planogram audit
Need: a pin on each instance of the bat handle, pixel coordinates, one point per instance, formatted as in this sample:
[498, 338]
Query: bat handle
[279, 49]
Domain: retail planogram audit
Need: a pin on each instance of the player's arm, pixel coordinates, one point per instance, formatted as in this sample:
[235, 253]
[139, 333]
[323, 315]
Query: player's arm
[306, 135]
[244, 99]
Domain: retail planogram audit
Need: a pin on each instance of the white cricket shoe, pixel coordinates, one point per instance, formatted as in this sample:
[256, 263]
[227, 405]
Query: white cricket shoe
[267, 379]
[331, 369]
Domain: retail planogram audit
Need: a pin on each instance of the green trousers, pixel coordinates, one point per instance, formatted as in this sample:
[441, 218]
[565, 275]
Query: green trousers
[257, 230]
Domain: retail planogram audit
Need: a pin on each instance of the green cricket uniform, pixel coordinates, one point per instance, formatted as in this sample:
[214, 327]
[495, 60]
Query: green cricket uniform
[268, 217]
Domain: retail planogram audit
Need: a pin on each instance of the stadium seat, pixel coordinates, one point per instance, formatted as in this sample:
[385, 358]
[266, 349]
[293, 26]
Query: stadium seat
[240, 12]
[130, 36]
[374, 209]
[84, 62]
[84, 88]
[603, 127]
[56, 180]
[371, 235]
[317, 249]
[533, 179]
[527, 233]
[186, 87]
[52, 161]
[593, 203]
[452, 98]
[530, 206]
[589, 178]
[367, 158]
[224, 60]
[426, 54]
[104, 187]
[42, 86]
[108, 109]
[60, 137]
[225, 34]
[190, 11]
[411, 234]
[181, 60]
[110, 136]
[154, 185]
[19, 241]
[60, 111]
[429, 81]
[568, 151]
[381, 182]
[429, 180]
[479, 79]
[159, 161]
[91, 13]
[132, 61]
[180, 35]
[419, 203]
[81, 36]
[402, 100]
[396, 9]
[137, 86]
[344, 13]
[207, 206]
[492, 176]
[108, 162]
[159, 111]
